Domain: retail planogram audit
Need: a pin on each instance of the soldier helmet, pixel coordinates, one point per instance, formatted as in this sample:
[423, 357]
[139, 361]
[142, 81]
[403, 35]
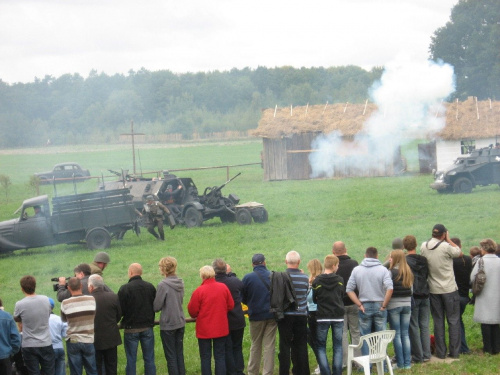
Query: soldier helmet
[150, 198]
[102, 257]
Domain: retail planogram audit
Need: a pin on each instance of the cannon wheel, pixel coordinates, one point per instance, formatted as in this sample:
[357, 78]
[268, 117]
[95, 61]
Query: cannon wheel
[243, 216]
[193, 217]
[261, 216]
[98, 238]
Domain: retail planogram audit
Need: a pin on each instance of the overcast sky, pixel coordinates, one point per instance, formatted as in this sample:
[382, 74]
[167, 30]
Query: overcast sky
[55, 37]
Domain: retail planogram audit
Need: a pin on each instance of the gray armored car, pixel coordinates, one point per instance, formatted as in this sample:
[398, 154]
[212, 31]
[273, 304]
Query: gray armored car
[481, 167]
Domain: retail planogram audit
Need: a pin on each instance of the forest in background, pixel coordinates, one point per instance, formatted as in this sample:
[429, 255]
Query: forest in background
[74, 110]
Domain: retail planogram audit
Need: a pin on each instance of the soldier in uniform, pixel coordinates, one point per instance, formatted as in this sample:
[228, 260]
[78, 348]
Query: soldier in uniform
[154, 211]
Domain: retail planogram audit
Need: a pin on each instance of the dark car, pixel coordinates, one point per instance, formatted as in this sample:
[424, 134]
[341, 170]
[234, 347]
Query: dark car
[481, 167]
[64, 172]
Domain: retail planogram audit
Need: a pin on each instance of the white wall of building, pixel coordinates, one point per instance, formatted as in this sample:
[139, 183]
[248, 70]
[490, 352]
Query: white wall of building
[448, 151]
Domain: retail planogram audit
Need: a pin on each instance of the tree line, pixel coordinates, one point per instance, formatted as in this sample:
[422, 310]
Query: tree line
[72, 109]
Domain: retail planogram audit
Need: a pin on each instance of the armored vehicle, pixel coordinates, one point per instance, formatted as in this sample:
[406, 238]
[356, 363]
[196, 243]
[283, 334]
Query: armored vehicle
[188, 207]
[91, 217]
[481, 167]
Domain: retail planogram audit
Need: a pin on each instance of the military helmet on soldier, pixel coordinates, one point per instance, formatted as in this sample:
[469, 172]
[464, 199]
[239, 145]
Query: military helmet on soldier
[102, 257]
[150, 198]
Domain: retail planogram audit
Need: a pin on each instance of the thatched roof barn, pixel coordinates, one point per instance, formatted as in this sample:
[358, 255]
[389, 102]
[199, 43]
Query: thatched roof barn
[288, 133]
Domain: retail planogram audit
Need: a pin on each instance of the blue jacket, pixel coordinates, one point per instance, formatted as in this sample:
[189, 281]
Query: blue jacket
[10, 340]
[255, 293]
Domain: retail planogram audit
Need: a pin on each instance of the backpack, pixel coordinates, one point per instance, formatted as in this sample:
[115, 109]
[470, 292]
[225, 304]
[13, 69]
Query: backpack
[479, 279]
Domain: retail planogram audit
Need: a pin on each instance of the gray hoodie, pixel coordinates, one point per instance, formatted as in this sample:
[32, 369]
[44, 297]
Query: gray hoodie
[371, 279]
[169, 296]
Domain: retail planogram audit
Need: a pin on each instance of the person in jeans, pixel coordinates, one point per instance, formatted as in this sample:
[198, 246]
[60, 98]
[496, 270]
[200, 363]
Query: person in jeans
[351, 319]
[33, 312]
[445, 300]
[263, 326]
[10, 340]
[79, 312]
[136, 301]
[209, 304]
[462, 268]
[374, 283]
[328, 293]
[315, 268]
[399, 307]
[58, 330]
[420, 312]
[169, 297]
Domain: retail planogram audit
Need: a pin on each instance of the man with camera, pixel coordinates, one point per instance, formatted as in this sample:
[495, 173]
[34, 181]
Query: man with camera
[82, 272]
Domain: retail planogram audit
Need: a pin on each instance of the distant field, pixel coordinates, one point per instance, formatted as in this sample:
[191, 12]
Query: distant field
[306, 216]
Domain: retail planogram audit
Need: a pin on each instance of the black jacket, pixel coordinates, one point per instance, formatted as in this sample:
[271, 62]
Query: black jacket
[282, 294]
[346, 265]
[328, 294]
[399, 290]
[235, 317]
[136, 301]
[107, 315]
[462, 267]
[420, 269]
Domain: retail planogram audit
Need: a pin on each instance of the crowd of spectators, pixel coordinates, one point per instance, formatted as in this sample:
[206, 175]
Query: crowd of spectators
[350, 298]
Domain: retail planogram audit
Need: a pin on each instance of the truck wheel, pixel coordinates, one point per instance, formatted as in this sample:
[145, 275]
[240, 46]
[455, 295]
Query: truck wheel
[243, 216]
[260, 216]
[227, 217]
[98, 238]
[462, 185]
[193, 218]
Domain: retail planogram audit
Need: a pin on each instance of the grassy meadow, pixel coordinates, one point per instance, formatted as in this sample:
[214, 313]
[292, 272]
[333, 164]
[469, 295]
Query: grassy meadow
[307, 216]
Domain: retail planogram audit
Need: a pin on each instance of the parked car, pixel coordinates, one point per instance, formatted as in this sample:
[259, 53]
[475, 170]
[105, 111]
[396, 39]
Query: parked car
[64, 172]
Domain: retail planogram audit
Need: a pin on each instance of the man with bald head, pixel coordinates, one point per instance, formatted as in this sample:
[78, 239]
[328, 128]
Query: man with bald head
[351, 318]
[136, 301]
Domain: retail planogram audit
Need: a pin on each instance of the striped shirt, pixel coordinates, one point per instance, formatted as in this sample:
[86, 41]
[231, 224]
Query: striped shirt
[300, 283]
[79, 312]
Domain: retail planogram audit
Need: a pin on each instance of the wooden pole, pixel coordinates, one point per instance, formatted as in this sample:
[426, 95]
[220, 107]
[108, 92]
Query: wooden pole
[133, 141]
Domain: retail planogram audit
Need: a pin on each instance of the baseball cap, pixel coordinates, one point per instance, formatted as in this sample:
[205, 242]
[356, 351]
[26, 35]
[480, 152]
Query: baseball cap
[258, 259]
[439, 228]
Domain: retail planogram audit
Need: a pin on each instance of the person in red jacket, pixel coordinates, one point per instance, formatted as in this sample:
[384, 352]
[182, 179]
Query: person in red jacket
[209, 304]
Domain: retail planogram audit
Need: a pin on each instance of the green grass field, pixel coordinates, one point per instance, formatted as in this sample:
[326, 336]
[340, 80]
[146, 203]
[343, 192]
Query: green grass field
[307, 216]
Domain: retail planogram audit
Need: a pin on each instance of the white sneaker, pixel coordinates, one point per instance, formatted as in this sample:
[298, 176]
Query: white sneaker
[317, 371]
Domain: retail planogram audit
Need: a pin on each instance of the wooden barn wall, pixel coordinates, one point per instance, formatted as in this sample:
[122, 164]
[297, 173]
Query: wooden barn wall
[274, 159]
[298, 162]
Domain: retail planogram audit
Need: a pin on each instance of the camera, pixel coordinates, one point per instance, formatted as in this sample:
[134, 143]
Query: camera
[56, 286]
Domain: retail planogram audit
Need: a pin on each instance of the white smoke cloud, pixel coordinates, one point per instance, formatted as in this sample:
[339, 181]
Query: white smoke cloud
[409, 98]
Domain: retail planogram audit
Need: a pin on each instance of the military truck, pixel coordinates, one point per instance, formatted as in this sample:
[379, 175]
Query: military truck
[91, 217]
[480, 167]
[188, 207]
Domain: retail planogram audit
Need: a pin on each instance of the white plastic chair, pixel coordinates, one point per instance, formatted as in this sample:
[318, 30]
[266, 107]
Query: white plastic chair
[377, 345]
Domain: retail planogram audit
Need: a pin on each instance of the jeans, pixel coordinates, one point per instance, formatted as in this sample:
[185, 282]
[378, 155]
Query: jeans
[173, 347]
[60, 361]
[131, 343]
[446, 304]
[464, 348]
[399, 320]
[36, 358]
[263, 337]
[372, 320]
[219, 348]
[293, 345]
[312, 336]
[322, 336]
[351, 326]
[81, 355]
[420, 340]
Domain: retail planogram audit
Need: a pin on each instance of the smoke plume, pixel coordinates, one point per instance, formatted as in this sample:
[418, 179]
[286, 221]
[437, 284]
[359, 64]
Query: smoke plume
[409, 98]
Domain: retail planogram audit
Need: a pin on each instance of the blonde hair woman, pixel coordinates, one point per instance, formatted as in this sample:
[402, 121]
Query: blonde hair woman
[168, 300]
[399, 308]
[315, 268]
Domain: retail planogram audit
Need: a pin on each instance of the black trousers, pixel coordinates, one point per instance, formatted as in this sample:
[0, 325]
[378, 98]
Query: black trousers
[293, 345]
[107, 360]
[491, 338]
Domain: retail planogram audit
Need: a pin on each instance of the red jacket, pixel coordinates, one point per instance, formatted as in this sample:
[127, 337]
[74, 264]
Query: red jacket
[210, 304]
